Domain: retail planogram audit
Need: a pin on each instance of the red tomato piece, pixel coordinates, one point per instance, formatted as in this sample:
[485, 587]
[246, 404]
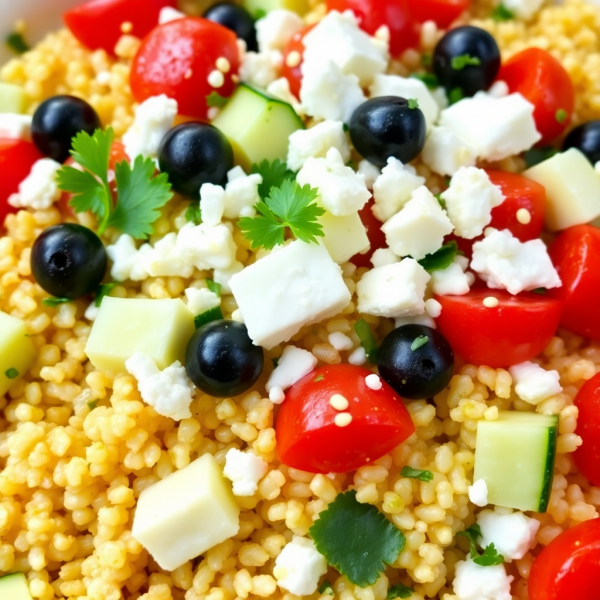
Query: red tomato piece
[443, 12]
[372, 14]
[542, 80]
[117, 154]
[569, 567]
[575, 254]
[97, 23]
[518, 329]
[587, 456]
[308, 438]
[293, 72]
[374, 233]
[177, 58]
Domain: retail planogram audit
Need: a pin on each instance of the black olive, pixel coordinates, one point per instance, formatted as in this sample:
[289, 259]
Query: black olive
[388, 126]
[585, 138]
[221, 359]
[193, 154]
[57, 121]
[416, 361]
[467, 58]
[237, 18]
[68, 261]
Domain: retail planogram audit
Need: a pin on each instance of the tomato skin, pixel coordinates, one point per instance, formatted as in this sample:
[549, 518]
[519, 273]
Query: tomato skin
[307, 437]
[575, 254]
[569, 567]
[443, 12]
[372, 14]
[176, 59]
[542, 80]
[97, 23]
[518, 329]
[374, 233]
[294, 73]
[587, 456]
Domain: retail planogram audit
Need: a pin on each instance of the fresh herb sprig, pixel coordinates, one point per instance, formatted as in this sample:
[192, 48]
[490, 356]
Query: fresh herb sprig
[419, 474]
[458, 63]
[399, 591]
[489, 557]
[273, 174]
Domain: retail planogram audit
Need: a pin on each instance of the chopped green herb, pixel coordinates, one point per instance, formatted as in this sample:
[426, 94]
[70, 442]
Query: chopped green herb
[212, 314]
[413, 103]
[442, 259]
[15, 42]
[92, 405]
[273, 174]
[489, 557]
[455, 95]
[289, 206]
[458, 63]
[356, 539]
[540, 291]
[193, 213]
[537, 155]
[275, 362]
[419, 474]
[501, 13]
[367, 340]
[419, 342]
[426, 59]
[561, 115]
[259, 13]
[319, 378]
[214, 287]
[55, 301]
[326, 588]
[104, 290]
[429, 79]
[442, 202]
[214, 99]
[399, 591]
[11, 373]
[473, 533]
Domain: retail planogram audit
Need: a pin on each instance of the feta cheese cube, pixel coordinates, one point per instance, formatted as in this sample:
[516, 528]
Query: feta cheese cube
[186, 513]
[261, 68]
[128, 261]
[299, 567]
[370, 171]
[294, 364]
[341, 190]
[393, 188]
[451, 281]
[473, 582]
[165, 259]
[245, 470]
[295, 286]
[16, 127]
[212, 203]
[415, 320]
[344, 236]
[495, 127]
[478, 493]
[445, 153]
[241, 193]
[206, 247]
[340, 341]
[168, 14]
[277, 28]
[504, 262]
[200, 300]
[383, 257]
[316, 142]
[470, 200]
[39, 190]
[419, 228]
[523, 9]
[534, 384]
[223, 276]
[396, 290]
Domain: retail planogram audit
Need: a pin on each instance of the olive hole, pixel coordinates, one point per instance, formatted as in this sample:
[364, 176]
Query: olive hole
[427, 364]
[59, 260]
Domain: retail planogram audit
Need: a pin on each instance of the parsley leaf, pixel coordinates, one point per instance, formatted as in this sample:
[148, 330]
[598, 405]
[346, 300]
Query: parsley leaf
[367, 340]
[490, 556]
[441, 201]
[419, 474]
[442, 259]
[214, 287]
[413, 103]
[193, 213]
[399, 591]
[501, 13]
[429, 79]
[214, 99]
[104, 290]
[319, 378]
[419, 342]
[326, 588]
[356, 539]
[458, 63]
[11, 373]
[561, 115]
[455, 95]
[273, 174]
[212, 314]
[537, 155]
[15, 42]
[53, 302]
[287, 206]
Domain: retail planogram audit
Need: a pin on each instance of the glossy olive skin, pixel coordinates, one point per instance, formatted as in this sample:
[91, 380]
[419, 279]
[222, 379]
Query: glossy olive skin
[68, 261]
[420, 373]
[585, 138]
[461, 41]
[386, 126]
[193, 154]
[221, 359]
[237, 18]
[57, 121]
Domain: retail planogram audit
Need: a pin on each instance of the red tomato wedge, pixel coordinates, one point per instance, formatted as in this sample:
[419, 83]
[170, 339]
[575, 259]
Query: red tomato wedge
[443, 12]
[308, 437]
[177, 58]
[569, 567]
[576, 255]
[587, 456]
[374, 233]
[292, 70]
[542, 80]
[518, 329]
[97, 23]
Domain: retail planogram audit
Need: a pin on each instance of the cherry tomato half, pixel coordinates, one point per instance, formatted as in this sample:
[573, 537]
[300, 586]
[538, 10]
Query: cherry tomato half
[97, 23]
[569, 567]
[308, 438]
[575, 254]
[374, 233]
[443, 12]
[177, 58]
[518, 329]
[372, 14]
[542, 80]
[587, 456]
[292, 70]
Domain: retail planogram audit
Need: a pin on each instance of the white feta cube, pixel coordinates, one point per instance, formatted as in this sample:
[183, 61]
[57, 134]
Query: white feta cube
[415, 320]
[523, 9]
[244, 470]
[168, 14]
[344, 236]
[316, 142]
[473, 582]
[261, 68]
[299, 567]
[294, 364]
[14, 126]
[383, 257]
[128, 261]
[165, 259]
[370, 171]
[212, 204]
[39, 190]
[223, 276]
[340, 341]
[199, 300]
[295, 286]
[534, 384]
[433, 308]
[396, 290]
[451, 281]
[445, 153]
[241, 193]
[206, 247]
[277, 28]
[478, 493]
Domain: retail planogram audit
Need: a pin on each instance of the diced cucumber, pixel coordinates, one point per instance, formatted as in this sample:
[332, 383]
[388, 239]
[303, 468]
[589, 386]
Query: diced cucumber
[12, 98]
[14, 587]
[258, 7]
[257, 125]
[17, 351]
[515, 456]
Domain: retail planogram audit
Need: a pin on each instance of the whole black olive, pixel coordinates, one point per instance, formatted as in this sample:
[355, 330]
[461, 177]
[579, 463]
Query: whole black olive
[237, 18]
[585, 138]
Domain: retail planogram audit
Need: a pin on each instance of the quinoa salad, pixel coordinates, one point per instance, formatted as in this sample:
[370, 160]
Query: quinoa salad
[299, 298]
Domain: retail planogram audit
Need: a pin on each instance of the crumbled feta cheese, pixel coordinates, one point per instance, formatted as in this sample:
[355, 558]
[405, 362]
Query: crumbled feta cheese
[341, 190]
[169, 392]
[419, 228]
[383, 257]
[499, 89]
[371, 172]
[473, 582]
[206, 247]
[128, 261]
[165, 259]
[523, 9]
[168, 14]
[39, 190]
[153, 119]
[415, 320]
[433, 308]
[91, 312]
[223, 276]
[245, 470]
[534, 384]
[451, 281]
[358, 357]
[393, 188]
[512, 534]
[261, 68]
[504, 262]
[316, 142]
[293, 365]
[340, 341]
[396, 290]
[280, 88]
[299, 567]
[212, 203]
[200, 300]
[478, 493]
[445, 153]
[276, 29]
[440, 96]
[276, 395]
[373, 382]
[495, 127]
[241, 193]
[16, 127]
[470, 200]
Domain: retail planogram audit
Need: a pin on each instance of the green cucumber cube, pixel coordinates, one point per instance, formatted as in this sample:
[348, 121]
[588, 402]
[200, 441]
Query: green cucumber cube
[17, 352]
[14, 587]
[258, 7]
[12, 98]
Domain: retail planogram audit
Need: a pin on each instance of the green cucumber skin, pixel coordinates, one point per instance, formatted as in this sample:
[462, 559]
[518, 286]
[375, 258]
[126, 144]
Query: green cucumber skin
[272, 100]
[549, 471]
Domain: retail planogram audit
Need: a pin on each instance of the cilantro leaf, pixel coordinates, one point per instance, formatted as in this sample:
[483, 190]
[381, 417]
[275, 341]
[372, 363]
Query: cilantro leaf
[501, 13]
[419, 474]
[537, 155]
[14, 41]
[399, 591]
[88, 193]
[489, 558]
[455, 95]
[473, 533]
[442, 259]
[273, 174]
[92, 152]
[53, 302]
[11, 373]
[212, 314]
[429, 79]
[356, 539]
[326, 588]
[104, 290]
[458, 63]
[193, 214]
[214, 99]
[214, 287]
[561, 115]
[413, 103]
[367, 340]
[419, 342]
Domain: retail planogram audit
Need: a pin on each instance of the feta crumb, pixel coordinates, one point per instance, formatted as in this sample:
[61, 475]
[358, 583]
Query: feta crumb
[504, 262]
[499, 89]
[212, 203]
[452, 281]
[383, 257]
[533, 384]
[200, 300]
[276, 395]
[445, 153]
[169, 392]
[294, 364]
[524, 9]
[415, 320]
[15, 127]
[433, 308]
[371, 172]
[39, 190]
[276, 29]
[299, 567]
[223, 276]
[473, 582]
[478, 493]
[91, 312]
[245, 470]
[373, 382]
[168, 14]
[316, 142]
[166, 260]
[206, 247]
[261, 68]
[128, 261]
[340, 341]
[358, 357]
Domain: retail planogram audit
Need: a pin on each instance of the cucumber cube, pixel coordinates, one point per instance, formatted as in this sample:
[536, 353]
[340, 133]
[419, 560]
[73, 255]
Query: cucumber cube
[14, 587]
[258, 7]
[159, 328]
[17, 351]
[12, 98]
